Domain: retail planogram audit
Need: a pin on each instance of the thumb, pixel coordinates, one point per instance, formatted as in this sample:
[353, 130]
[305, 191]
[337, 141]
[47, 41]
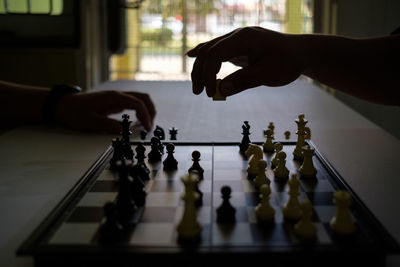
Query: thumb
[241, 80]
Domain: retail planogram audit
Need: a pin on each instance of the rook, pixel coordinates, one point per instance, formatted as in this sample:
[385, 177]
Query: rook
[173, 132]
[264, 210]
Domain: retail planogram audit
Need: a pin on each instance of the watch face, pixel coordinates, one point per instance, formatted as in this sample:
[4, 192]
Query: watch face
[66, 88]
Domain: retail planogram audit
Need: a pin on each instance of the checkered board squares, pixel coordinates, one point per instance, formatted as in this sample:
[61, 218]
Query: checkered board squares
[223, 165]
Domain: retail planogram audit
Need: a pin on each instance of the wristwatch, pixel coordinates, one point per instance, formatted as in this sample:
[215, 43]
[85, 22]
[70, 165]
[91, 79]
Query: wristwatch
[54, 97]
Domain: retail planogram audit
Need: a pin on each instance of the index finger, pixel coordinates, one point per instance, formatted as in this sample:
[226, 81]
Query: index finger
[142, 113]
[223, 50]
[147, 101]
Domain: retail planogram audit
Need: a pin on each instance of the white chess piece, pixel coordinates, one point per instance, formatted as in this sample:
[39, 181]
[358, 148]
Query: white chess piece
[264, 211]
[189, 228]
[261, 177]
[292, 210]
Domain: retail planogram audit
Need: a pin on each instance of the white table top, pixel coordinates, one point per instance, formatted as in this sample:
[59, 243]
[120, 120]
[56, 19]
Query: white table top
[39, 164]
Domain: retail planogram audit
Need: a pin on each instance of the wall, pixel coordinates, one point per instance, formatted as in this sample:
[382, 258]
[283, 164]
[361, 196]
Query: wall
[368, 18]
[47, 52]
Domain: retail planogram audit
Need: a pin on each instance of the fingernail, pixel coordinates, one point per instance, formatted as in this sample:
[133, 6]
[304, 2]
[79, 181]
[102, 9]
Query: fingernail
[225, 87]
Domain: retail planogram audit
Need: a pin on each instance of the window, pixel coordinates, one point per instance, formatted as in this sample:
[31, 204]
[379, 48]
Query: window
[160, 32]
[45, 7]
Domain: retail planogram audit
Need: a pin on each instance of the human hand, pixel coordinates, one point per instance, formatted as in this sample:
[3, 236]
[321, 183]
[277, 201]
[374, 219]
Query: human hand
[266, 57]
[89, 111]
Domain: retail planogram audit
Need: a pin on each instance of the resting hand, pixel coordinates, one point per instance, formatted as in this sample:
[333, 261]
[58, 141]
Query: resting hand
[266, 57]
[89, 111]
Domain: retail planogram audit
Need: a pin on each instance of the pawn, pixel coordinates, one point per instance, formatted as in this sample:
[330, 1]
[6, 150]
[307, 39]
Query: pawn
[278, 147]
[196, 165]
[225, 212]
[268, 145]
[292, 211]
[155, 154]
[170, 163]
[281, 172]
[307, 169]
[287, 135]
[264, 210]
[140, 152]
[342, 223]
[261, 177]
[111, 229]
[305, 228]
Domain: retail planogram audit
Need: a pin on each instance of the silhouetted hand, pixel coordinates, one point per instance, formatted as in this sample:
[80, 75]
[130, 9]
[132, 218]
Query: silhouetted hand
[266, 57]
[89, 111]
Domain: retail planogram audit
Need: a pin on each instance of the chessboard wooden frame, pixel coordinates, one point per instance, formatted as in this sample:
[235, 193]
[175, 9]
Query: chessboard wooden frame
[46, 256]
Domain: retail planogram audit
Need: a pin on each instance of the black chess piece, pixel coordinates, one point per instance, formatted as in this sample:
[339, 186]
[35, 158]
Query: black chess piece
[196, 165]
[155, 154]
[137, 190]
[226, 212]
[118, 154]
[111, 230]
[141, 168]
[140, 152]
[170, 163]
[127, 151]
[126, 133]
[143, 135]
[173, 132]
[159, 132]
[244, 144]
[125, 203]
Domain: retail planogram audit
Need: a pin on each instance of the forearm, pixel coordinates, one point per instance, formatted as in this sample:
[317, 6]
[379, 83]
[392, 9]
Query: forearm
[365, 68]
[21, 103]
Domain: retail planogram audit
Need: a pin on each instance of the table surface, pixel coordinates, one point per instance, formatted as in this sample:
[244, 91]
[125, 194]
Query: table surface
[39, 164]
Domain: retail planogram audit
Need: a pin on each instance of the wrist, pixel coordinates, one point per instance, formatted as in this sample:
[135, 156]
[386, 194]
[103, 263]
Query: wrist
[54, 98]
[308, 50]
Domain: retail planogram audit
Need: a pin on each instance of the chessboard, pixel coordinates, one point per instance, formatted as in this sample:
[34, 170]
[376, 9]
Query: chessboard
[69, 236]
